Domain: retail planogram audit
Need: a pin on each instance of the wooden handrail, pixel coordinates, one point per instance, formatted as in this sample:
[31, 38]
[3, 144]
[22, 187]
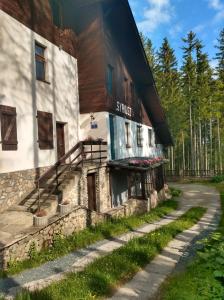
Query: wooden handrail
[75, 162]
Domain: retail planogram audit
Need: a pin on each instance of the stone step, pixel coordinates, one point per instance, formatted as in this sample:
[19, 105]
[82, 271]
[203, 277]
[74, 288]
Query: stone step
[49, 206]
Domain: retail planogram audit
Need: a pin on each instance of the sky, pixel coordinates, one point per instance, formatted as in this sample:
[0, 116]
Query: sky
[175, 18]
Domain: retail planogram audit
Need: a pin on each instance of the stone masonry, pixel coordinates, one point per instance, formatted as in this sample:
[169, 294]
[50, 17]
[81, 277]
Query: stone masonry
[15, 186]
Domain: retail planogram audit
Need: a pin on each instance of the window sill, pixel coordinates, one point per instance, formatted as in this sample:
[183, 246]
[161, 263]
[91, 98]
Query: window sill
[128, 146]
[42, 80]
[140, 146]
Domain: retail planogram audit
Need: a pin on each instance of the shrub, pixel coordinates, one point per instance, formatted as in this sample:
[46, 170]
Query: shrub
[217, 179]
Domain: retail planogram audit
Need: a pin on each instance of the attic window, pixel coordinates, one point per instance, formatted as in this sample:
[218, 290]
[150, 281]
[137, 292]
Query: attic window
[110, 79]
[57, 13]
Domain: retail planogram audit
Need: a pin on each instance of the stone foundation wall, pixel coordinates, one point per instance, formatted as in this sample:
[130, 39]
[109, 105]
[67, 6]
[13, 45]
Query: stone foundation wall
[76, 220]
[15, 186]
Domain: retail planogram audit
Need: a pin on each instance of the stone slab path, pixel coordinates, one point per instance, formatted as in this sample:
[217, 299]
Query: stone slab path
[53, 271]
[145, 283]
[44, 275]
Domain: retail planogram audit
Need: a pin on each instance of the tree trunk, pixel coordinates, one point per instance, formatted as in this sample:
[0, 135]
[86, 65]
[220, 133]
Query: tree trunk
[219, 146]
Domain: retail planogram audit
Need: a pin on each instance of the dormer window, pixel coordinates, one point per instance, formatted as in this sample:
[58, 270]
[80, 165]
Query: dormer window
[110, 79]
[57, 13]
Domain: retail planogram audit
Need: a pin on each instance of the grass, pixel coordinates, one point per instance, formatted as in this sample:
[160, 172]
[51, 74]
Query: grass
[204, 277]
[99, 279]
[64, 245]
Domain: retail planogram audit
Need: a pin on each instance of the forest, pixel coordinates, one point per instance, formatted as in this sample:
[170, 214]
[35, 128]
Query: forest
[192, 94]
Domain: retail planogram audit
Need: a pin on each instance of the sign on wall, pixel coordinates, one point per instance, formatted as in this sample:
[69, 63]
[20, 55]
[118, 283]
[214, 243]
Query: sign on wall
[124, 109]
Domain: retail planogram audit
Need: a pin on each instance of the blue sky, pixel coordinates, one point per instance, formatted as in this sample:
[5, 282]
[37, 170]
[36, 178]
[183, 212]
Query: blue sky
[174, 18]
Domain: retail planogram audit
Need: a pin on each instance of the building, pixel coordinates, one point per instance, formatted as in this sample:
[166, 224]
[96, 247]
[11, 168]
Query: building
[81, 120]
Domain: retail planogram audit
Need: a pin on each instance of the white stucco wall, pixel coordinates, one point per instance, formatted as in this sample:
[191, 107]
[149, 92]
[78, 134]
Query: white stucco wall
[121, 152]
[20, 89]
[102, 131]
[134, 151]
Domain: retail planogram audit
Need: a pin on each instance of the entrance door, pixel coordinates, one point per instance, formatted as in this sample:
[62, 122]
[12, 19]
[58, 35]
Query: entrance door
[60, 139]
[112, 137]
[91, 181]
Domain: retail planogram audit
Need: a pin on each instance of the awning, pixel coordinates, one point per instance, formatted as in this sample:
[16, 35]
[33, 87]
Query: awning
[137, 164]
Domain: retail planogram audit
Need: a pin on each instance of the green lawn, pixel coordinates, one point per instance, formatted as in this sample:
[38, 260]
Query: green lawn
[64, 245]
[204, 277]
[99, 278]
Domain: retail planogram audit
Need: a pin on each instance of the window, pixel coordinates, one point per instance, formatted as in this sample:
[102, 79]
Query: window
[56, 12]
[136, 185]
[40, 62]
[150, 137]
[132, 88]
[139, 136]
[110, 79]
[125, 89]
[127, 135]
[8, 128]
[156, 140]
[45, 130]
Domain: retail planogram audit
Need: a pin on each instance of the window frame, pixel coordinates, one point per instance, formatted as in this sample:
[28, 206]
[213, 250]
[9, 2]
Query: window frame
[139, 136]
[110, 80]
[41, 59]
[127, 135]
[150, 135]
[135, 176]
[132, 91]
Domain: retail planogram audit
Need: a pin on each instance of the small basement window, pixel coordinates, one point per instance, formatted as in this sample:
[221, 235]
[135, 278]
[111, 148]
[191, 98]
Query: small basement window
[8, 128]
[45, 130]
[40, 61]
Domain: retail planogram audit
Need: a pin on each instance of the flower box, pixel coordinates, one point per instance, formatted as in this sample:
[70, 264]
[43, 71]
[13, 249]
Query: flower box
[65, 208]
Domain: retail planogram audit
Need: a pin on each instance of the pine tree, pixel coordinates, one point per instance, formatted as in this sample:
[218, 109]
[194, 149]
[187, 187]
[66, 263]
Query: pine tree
[150, 52]
[203, 109]
[168, 84]
[220, 56]
[189, 87]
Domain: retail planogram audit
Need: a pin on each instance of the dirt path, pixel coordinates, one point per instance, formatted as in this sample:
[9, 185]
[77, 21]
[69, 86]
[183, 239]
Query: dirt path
[145, 283]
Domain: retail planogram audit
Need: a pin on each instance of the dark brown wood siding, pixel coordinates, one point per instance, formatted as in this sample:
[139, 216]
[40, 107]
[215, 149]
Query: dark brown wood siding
[124, 83]
[91, 60]
[97, 50]
[37, 15]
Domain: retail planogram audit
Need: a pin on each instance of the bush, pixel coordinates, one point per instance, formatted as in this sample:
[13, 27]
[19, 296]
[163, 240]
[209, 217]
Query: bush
[175, 192]
[218, 179]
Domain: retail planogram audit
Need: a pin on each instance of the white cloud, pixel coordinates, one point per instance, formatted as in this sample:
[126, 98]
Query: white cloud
[199, 28]
[158, 12]
[218, 6]
[174, 30]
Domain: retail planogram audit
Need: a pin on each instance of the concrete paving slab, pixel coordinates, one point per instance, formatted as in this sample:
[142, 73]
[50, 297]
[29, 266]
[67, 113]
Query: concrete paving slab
[145, 283]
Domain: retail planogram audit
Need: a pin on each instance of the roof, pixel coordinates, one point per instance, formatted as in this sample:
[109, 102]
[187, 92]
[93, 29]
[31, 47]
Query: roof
[125, 30]
[119, 15]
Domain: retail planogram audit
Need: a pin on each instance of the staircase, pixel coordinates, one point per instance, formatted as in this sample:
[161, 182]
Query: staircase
[52, 187]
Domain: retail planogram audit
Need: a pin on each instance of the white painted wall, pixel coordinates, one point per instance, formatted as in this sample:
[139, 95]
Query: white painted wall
[134, 151]
[103, 131]
[20, 89]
